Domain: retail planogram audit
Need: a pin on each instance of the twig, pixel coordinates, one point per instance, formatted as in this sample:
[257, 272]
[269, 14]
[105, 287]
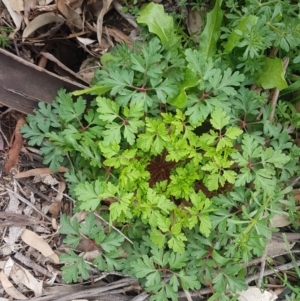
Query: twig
[4, 137]
[283, 267]
[100, 217]
[29, 204]
[188, 295]
[141, 297]
[262, 267]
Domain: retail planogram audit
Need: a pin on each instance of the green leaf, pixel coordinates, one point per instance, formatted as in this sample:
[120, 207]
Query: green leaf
[75, 267]
[158, 22]
[219, 119]
[188, 282]
[157, 238]
[233, 132]
[205, 224]
[89, 194]
[210, 35]
[272, 75]
[69, 227]
[112, 241]
[190, 80]
[176, 243]
[99, 90]
[144, 267]
[240, 29]
[108, 110]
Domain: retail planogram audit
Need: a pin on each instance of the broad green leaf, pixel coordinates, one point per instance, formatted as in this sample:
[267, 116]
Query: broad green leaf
[158, 22]
[211, 33]
[272, 75]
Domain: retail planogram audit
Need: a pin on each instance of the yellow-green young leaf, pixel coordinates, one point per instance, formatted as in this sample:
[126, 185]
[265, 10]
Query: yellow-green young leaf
[177, 243]
[230, 176]
[219, 119]
[272, 75]
[224, 142]
[205, 224]
[163, 223]
[121, 207]
[233, 132]
[157, 238]
[212, 182]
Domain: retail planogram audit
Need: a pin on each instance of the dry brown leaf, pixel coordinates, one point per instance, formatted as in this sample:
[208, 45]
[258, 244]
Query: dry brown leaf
[17, 18]
[104, 10]
[38, 243]
[253, 293]
[9, 288]
[40, 21]
[38, 171]
[54, 208]
[280, 220]
[73, 18]
[195, 24]
[21, 276]
[17, 5]
[48, 180]
[119, 36]
[16, 144]
[276, 248]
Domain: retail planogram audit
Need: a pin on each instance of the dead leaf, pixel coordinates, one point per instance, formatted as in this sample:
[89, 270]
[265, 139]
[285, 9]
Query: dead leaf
[276, 248]
[16, 144]
[21, 275]
[38, 171]
[48, 180]
[9, 288]
[17, 18]
[104, 10]
[17, 5]
[253, 293]
[9, 219]
[54, 208]
[38, 243]
[280, 220]
[1, 143]
[85, 41]
[40, 21]
[195, 24]
[119, 36]
[73, 18]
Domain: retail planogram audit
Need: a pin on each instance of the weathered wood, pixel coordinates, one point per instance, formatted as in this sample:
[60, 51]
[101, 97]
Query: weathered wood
[23, 84]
